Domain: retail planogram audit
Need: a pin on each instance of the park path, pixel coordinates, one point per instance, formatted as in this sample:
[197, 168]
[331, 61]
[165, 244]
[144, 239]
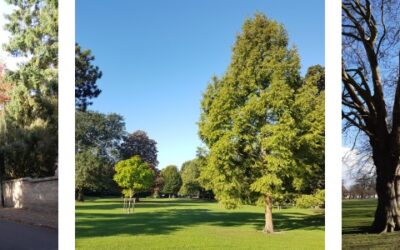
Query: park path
[15, 236]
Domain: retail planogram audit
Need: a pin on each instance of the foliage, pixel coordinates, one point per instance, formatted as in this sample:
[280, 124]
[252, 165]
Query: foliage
[262, 123]
[311, 201]
[133, 175]
[138, 143]
[101, 131]
[30, 127]
[92, 172]
[86, 76]
[97, 137]
[190, 172]
[158, 183]
[172, 180]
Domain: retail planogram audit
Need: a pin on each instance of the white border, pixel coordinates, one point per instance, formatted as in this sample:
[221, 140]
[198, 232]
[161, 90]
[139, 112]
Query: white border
[333, 135]
[66, 122]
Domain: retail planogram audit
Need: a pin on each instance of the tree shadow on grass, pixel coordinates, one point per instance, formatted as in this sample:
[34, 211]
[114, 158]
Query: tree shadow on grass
[169, 220]
[358, 218]
[118, 204]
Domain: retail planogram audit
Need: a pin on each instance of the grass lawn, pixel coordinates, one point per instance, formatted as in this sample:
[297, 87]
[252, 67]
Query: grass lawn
[192, 224]
[357, 217]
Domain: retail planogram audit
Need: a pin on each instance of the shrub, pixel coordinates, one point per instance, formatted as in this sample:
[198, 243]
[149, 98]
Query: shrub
[311, 200]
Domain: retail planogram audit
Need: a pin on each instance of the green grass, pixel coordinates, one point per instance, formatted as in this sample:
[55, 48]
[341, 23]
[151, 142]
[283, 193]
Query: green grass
[357, 217]
[192, 224]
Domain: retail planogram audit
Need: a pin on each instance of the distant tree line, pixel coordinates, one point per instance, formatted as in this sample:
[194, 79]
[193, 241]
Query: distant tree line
[362, 188]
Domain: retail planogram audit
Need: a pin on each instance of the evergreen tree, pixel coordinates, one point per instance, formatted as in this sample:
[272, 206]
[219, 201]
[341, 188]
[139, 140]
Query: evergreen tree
[31, 116]
[86, 76]
[171, 180]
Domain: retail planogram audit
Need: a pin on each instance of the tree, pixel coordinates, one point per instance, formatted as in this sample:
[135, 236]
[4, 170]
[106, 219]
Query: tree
[97, 137]
[262, 123]
[138, 143]
[345, 191]
[190, 173]
[86, 76]
[133, 175]
[91, 172]
[101, 131]
[371, 95]
[172, 180]
[30, 128]
[158, 183]
[318, 72]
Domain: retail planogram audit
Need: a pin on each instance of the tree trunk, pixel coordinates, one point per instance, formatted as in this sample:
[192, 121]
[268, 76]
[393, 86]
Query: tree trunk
[80, 195]
[387, 214]
[269, 225]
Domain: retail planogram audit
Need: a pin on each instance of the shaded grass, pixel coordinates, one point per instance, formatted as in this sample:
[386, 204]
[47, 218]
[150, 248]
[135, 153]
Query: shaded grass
[357, 218]
[192, 224]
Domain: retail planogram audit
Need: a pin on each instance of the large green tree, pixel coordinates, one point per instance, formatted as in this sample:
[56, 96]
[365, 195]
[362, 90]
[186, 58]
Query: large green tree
[264, 137]
[97, 137]
[31, 115]
[171, 180]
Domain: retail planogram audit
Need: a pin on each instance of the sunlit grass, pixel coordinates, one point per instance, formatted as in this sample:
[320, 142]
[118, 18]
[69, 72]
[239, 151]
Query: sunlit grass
[358, 216]
[192, 224]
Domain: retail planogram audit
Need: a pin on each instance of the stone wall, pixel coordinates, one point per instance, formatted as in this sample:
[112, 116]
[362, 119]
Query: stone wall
[36, 194]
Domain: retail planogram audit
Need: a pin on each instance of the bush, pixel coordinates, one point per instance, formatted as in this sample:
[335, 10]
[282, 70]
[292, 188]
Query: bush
[311, 200]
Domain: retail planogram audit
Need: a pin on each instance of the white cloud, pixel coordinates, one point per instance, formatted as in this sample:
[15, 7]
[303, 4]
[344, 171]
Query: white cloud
[10, 61]
[354, 161]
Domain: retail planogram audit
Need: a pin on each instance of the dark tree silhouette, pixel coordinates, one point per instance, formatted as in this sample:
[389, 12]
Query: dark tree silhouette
[371, 92]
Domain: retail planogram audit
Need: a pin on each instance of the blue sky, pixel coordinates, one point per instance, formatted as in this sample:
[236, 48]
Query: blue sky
[158, 56]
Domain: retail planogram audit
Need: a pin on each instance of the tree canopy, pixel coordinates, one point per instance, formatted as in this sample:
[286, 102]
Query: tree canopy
[171, 180]
[97, 137]
[138, 143]
[133, 175]
[190, 172]
[92, 173]
[101, 131]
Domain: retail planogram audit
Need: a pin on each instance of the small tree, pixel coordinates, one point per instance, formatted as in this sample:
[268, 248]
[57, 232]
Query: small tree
[133, 175]
[172, 180]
